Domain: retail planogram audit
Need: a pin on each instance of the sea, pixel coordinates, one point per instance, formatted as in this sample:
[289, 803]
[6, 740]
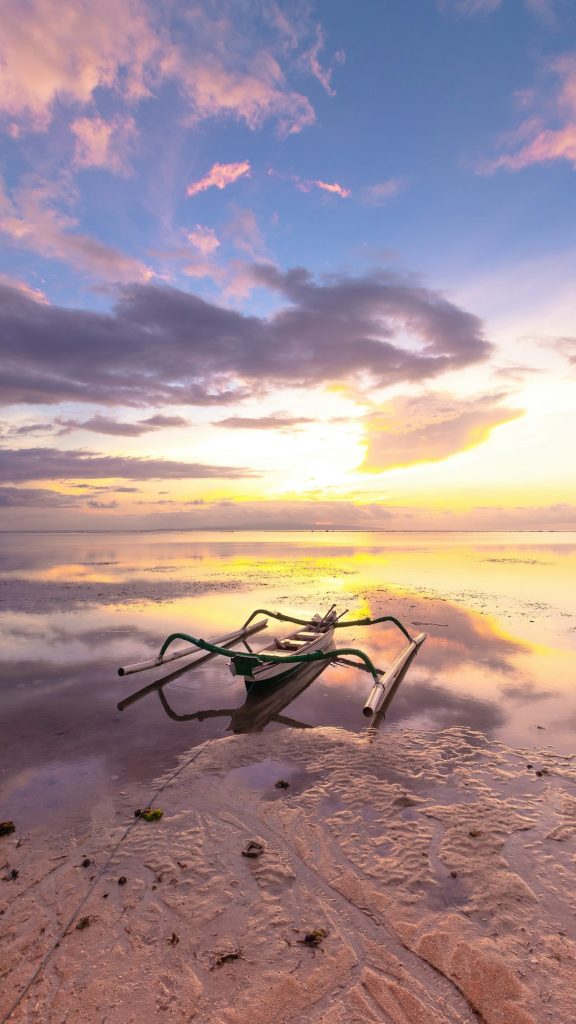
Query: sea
[500, 658]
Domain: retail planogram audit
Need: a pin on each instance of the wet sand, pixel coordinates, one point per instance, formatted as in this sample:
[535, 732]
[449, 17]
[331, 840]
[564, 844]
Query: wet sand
[440, 867]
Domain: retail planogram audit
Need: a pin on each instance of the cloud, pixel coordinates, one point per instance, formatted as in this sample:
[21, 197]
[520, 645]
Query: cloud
[334, 188]
[277, 421]
[159, 421]
[103, 144]
[22, 465]
[64, 54]
[224, 62]
[36, 497]
[545, 10]
[311, 61]
[26, 429]
[102, 488]
[162, 346]
[380, 193]
[32, 221]
[204, 239]
[93, 503]
[567, 348]
[254, 93]
[536, 142]
[514, 373]
[105, 425]
[219, 176]
[430, 428]
[547, 146]
[307, 184]
[22, 286]
[244, 232]
[469, 8]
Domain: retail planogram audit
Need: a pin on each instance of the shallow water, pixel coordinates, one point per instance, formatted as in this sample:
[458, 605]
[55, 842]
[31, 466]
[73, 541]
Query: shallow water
[500, 611]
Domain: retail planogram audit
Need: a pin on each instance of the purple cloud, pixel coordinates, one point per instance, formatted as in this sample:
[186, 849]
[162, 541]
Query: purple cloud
[105, 425]
[21, 465]
[278, 421]
[37, 497]
[164, 346]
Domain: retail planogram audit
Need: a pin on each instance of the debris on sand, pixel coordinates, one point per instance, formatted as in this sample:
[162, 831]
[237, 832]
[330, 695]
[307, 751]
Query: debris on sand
[253, 849]
[314, 938]
[7, 828]
[282, 784]
[217, 960]
[151, 814]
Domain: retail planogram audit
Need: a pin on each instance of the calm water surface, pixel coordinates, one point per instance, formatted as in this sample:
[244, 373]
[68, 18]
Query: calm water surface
[500, 611]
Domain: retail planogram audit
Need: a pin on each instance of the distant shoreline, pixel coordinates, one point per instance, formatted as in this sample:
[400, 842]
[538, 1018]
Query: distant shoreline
[257, 529]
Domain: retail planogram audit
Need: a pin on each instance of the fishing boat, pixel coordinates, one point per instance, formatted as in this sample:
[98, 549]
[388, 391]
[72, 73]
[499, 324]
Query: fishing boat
[283, 658]
[316, 636]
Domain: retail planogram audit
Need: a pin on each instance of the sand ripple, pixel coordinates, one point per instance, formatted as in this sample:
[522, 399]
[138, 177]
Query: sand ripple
[440, 866]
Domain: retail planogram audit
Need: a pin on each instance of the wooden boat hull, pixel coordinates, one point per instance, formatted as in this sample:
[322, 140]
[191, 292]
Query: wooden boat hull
[270, 673]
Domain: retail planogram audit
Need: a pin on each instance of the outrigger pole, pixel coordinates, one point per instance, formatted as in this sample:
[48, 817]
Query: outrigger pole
[162, 659]
[379, 696]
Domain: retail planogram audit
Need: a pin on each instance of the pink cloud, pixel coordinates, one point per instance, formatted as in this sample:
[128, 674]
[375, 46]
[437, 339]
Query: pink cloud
[290, 30]
[244, 232]
[134, 46]
[533, 142]
[203, 239]
[33, 221]
[101, 143]
[205, 269]
[219, 176]
[310, 60]
[304, 184]
[379, 194]
[335, 188]
[307, 184]
[36, 294]
[565, 68]
[253, 94]
[66, 53]
[547, 146]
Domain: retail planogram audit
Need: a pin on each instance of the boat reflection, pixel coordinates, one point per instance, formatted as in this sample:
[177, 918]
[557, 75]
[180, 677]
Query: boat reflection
[262, 705]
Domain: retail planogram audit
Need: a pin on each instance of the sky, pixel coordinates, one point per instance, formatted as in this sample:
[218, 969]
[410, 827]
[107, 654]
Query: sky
[282, 265]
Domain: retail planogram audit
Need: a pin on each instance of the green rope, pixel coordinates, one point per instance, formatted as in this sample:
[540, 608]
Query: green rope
[260, 659]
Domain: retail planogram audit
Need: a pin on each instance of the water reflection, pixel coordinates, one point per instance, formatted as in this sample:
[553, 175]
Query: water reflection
[262, 705]
[499, 610]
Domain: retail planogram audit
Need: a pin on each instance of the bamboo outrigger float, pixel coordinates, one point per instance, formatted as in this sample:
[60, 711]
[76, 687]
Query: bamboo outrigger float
[283, 658]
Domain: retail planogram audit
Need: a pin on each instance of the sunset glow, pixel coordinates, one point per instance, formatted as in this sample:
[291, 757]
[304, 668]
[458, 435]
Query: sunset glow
[287, 265]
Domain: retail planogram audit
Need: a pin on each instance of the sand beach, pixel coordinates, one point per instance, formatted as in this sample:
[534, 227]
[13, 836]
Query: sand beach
[422, 871]
[403, 878]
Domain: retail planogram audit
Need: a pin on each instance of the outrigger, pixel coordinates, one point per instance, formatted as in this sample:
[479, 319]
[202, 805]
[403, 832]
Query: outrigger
[283, 658]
